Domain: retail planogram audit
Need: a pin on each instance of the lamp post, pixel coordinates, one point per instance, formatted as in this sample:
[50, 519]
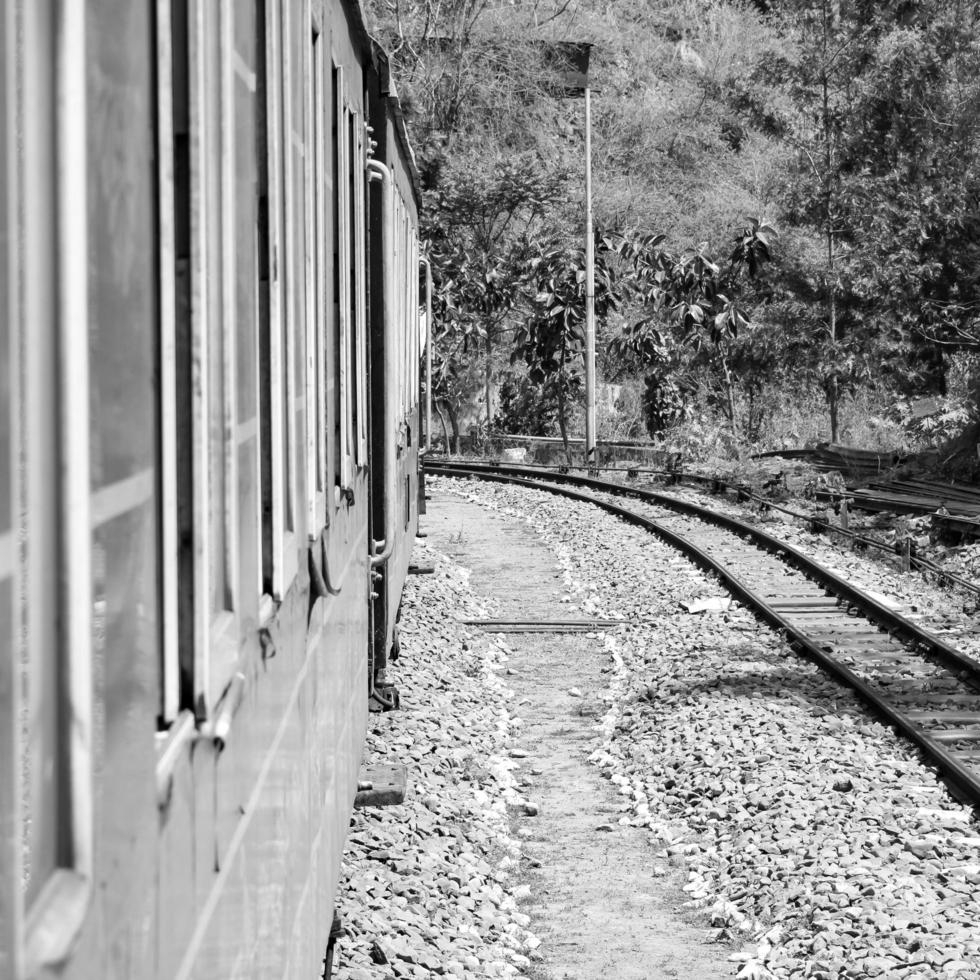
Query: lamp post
[575, 58]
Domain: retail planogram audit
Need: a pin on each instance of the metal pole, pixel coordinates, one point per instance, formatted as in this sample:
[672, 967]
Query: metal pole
[590, 453]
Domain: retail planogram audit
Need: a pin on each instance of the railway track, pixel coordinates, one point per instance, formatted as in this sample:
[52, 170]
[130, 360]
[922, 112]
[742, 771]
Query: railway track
[925, 688]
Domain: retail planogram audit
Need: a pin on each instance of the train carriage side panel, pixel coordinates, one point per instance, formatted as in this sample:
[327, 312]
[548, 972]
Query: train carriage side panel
[227, 546]
[286, 772]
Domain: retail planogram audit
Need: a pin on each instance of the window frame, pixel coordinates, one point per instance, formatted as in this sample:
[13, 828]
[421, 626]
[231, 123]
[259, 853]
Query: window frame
[360, 260]
[215, 630]
[342, 357]
[414, 336]
[52, 167]
[317, 477]
[282, 451]
[167, 340]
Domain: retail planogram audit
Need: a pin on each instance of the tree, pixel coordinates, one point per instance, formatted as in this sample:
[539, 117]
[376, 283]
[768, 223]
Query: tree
[694, 294]
[551, 341]
[877, 101]
[481, 226]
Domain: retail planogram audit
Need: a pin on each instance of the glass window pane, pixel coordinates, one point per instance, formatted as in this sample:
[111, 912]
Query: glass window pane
[217, 396]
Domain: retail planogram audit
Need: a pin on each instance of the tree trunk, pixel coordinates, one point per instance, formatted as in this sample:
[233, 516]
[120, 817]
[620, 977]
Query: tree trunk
[833, 403]
[445, 427]
[833, 382]
[487, 378]
[562, 426]
[733, 419]
[454, 423]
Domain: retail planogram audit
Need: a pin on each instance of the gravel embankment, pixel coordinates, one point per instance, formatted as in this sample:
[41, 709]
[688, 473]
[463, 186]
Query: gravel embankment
[814, 839]
[427, 887]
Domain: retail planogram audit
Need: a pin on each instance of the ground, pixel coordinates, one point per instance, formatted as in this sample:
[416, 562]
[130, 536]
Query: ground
[677, 795]
[601, 902]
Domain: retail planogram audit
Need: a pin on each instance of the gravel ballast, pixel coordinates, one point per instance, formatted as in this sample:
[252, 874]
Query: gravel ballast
[424, 889]
[815, 840]
[815, 843]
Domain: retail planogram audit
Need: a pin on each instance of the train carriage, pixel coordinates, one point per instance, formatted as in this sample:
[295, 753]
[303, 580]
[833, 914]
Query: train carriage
[208, 421]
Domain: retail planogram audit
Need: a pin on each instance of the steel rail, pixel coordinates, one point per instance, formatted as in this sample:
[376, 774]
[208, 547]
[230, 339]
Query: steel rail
[895, 623]
[718, 484]
[961, 779]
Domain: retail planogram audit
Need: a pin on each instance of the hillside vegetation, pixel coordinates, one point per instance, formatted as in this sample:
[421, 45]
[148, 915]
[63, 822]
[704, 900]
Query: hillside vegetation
[787, 203]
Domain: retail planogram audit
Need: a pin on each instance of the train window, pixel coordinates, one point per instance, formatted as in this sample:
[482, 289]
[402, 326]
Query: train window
[337, 199]
[414, 315]
[397, 299]
[218, 332]
[171, 27]
[240, 223]
[278, 524]
[296, 110]
[407, 311]
[47, 778]
[343, 259]
[361, 327]
[404, 276]
[280, 197]
[207, 461]
[316, 317]
[354, 173]
[293, 295]
[269, 380]
[411, 314]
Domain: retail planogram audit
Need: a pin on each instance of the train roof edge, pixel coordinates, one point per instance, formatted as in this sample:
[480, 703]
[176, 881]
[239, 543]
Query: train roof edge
[390, 93]
[381, 64]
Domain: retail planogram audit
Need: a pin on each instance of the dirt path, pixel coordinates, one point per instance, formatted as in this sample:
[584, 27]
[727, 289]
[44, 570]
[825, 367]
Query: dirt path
[603, 905]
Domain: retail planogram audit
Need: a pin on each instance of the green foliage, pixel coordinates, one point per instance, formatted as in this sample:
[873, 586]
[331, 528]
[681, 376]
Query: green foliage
[664, 403]
[878, 101]
[551, 340]
[480, 227]
[854, 124]
[690, 289]
[552, 337]
[531, 409]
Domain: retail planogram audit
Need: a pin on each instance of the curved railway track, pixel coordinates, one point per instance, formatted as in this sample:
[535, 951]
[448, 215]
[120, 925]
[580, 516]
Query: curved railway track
[928, 690]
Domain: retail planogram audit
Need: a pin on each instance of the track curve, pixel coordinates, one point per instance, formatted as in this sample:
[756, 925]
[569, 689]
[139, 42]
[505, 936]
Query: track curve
[926, 689]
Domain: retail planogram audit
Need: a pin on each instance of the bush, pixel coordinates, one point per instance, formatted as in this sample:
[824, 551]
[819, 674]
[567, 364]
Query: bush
[663, 403]
[525, 409]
